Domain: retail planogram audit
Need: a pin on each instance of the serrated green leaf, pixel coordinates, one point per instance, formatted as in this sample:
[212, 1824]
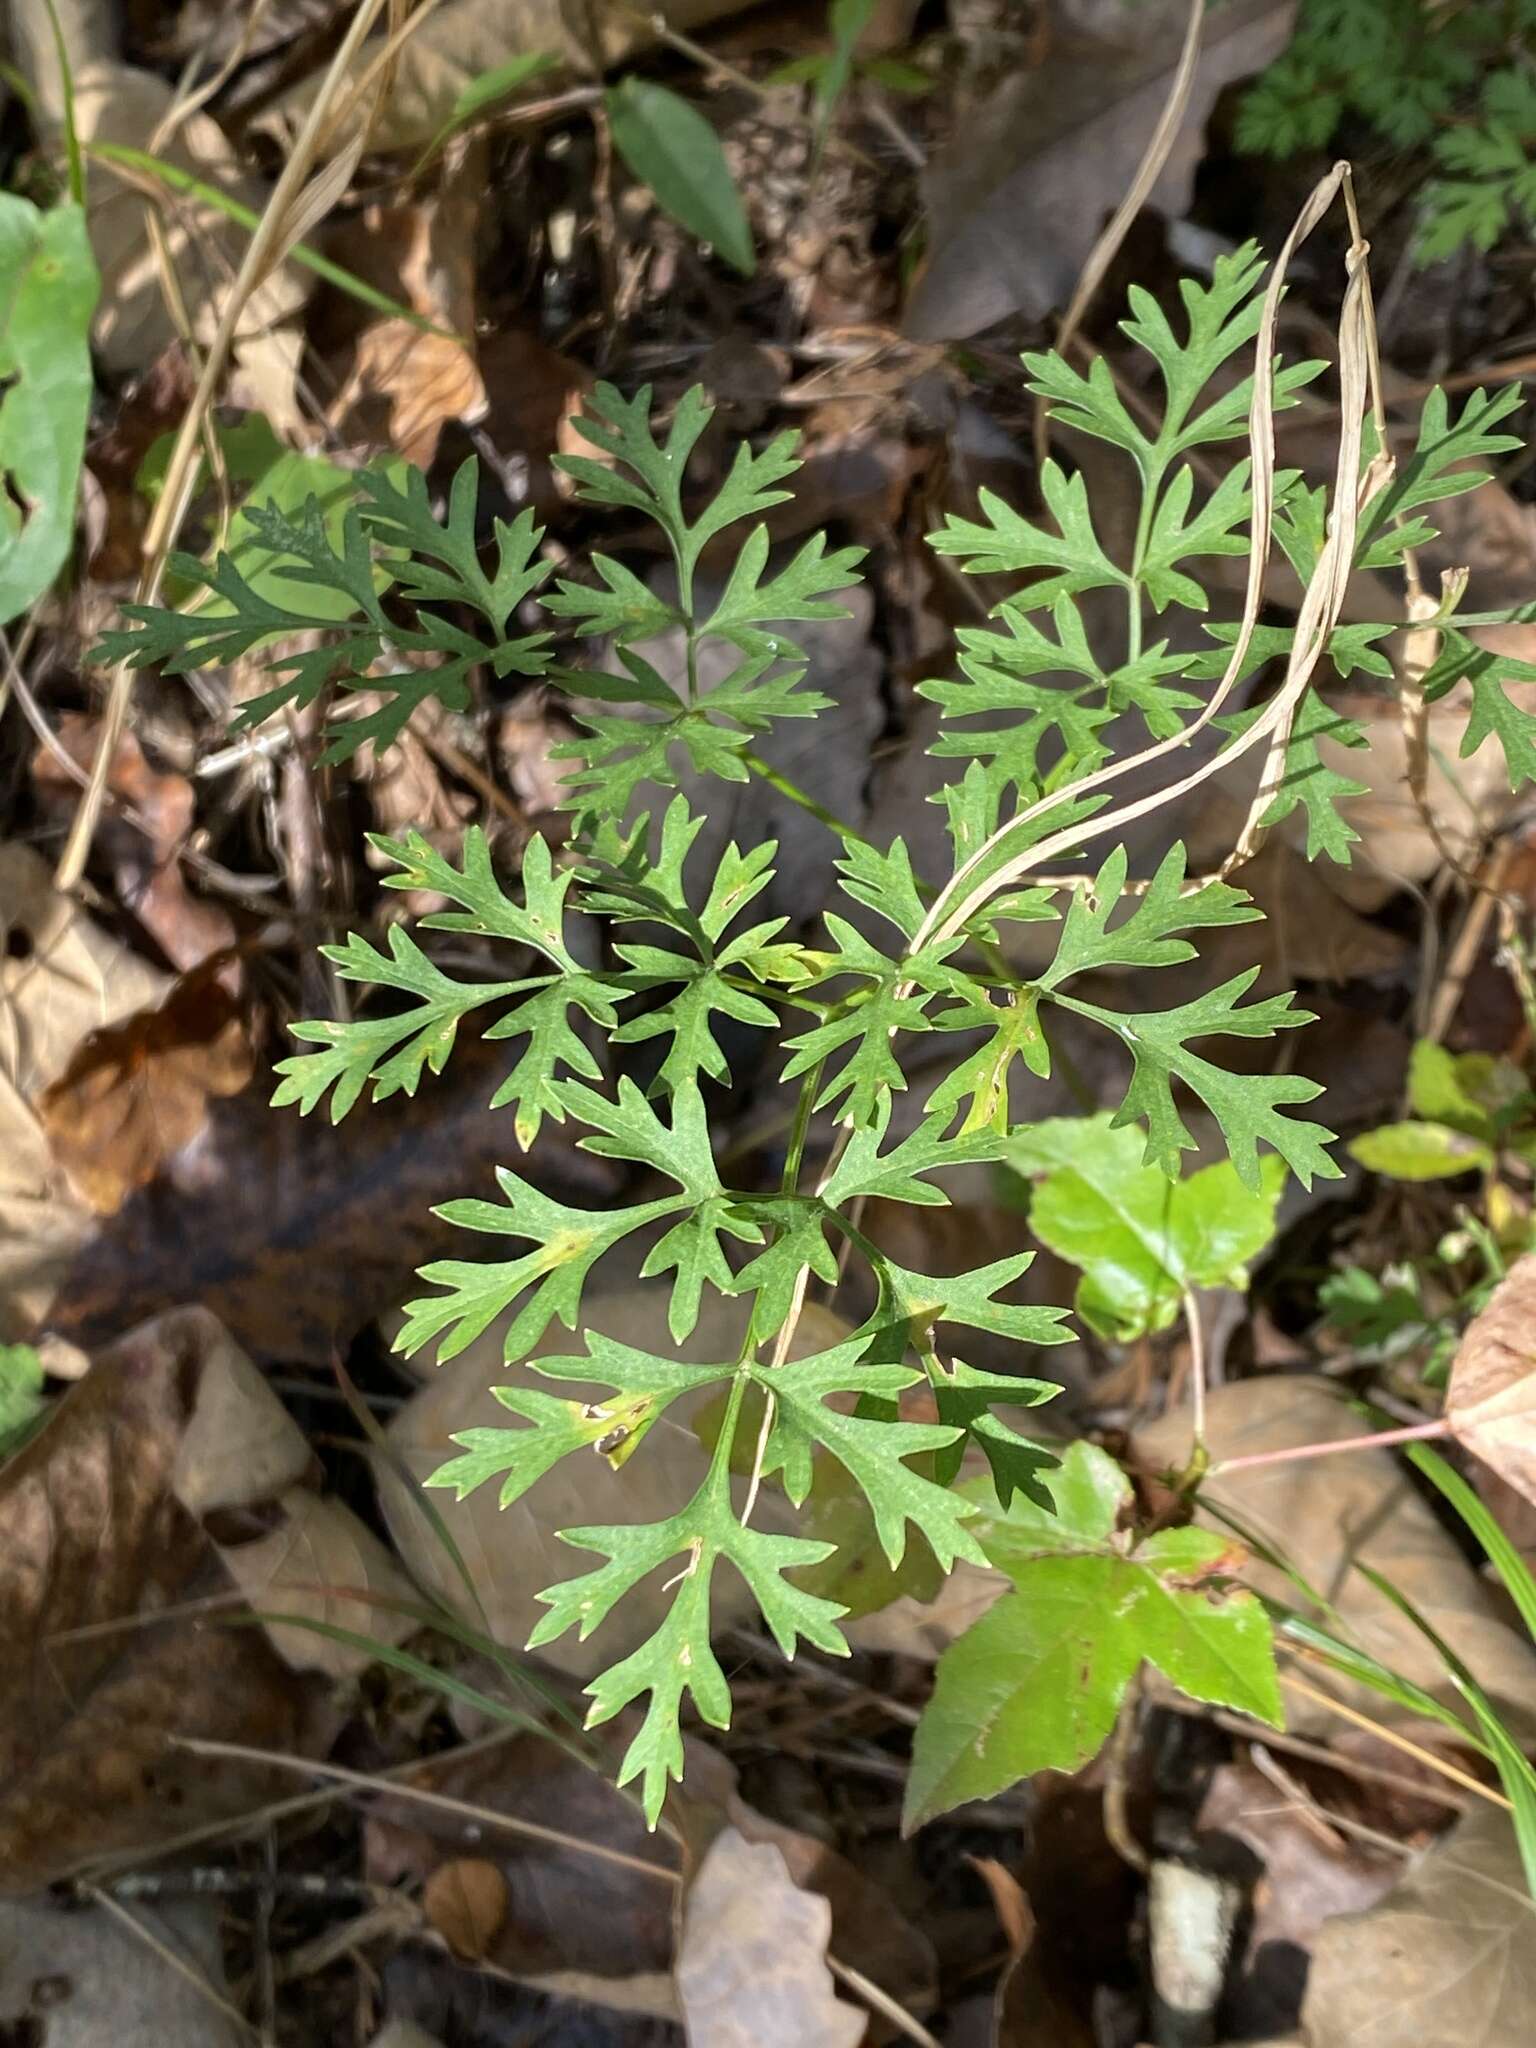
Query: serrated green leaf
[900, 1175]
[1140, 1238]
[391, 1051]
[1037, 1682]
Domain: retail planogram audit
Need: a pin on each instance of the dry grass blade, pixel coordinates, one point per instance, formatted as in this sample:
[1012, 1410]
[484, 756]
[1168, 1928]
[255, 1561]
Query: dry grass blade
[482, 1816]
[1319, 611]
[287, 214]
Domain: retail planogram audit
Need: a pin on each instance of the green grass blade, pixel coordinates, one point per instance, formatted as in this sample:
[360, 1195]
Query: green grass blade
[1515, 1772]
[1502, 1554]
[1378, 1678]
[67, 86]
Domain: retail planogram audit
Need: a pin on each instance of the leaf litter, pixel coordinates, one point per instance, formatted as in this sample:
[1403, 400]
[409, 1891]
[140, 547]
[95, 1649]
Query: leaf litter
[146, 1171]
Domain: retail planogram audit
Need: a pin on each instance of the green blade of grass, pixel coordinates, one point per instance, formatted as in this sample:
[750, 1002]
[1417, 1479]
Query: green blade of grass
[1515, 1772]
[1502, 1554]
[119, 156]
[67, 88]
[1378, 1678]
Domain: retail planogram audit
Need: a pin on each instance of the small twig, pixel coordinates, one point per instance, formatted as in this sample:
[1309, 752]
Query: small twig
[481, 1816]
[1196, 1368]
[1255, 1732]
[1117, 1771]
[170, 1958]
[1427, 1757]
[881, 2002]
[1148, 171]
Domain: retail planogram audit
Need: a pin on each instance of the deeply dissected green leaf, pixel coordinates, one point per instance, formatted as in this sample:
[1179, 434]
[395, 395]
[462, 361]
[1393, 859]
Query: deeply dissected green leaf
[48, 289]
[1141, 1239]
[670, 146]
[1036, 1683]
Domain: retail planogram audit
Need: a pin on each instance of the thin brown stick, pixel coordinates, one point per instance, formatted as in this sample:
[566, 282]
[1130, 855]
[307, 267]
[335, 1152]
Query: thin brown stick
[283, 221]
[482, 1816]
[1427, 1757]
[881, 2002]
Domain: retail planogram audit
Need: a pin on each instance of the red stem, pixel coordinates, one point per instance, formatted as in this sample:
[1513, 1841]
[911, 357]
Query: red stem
[1417, 1432]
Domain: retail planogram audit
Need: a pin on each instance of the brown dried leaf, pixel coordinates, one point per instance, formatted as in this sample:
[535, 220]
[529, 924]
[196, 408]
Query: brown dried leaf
[426, 379]
[118, 103]
[751, 1967]
[1447, 1960]
[1491, 1400]
[134, 1095]
[143, 842]
[321, 1563]
[240, 1445]
[296, 1233]
[1060, 144]
[61, 977]
[105, 1579]
[466, 1900]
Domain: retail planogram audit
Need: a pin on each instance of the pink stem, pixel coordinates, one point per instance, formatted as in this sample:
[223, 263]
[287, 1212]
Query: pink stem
[1418, 1432]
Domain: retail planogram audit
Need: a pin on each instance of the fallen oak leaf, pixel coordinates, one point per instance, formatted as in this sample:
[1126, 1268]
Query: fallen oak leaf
[106, 1579]
[1490, 1402]
[137, 1092]
[751, 1967]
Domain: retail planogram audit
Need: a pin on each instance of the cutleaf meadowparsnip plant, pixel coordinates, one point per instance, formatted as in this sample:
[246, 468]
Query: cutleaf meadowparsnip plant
[1024, 737]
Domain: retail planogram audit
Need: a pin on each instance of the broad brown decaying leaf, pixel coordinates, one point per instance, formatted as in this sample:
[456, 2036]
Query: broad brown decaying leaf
[294, 1233]
[322, 1565]
[751, 1965]
[142, 837]
[1491, 1400]
[423, 379]
[1446, 1960]
[135, 1094]
[1017, 201]
[112, 1605]
[61, 977]
[1326, 1514]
